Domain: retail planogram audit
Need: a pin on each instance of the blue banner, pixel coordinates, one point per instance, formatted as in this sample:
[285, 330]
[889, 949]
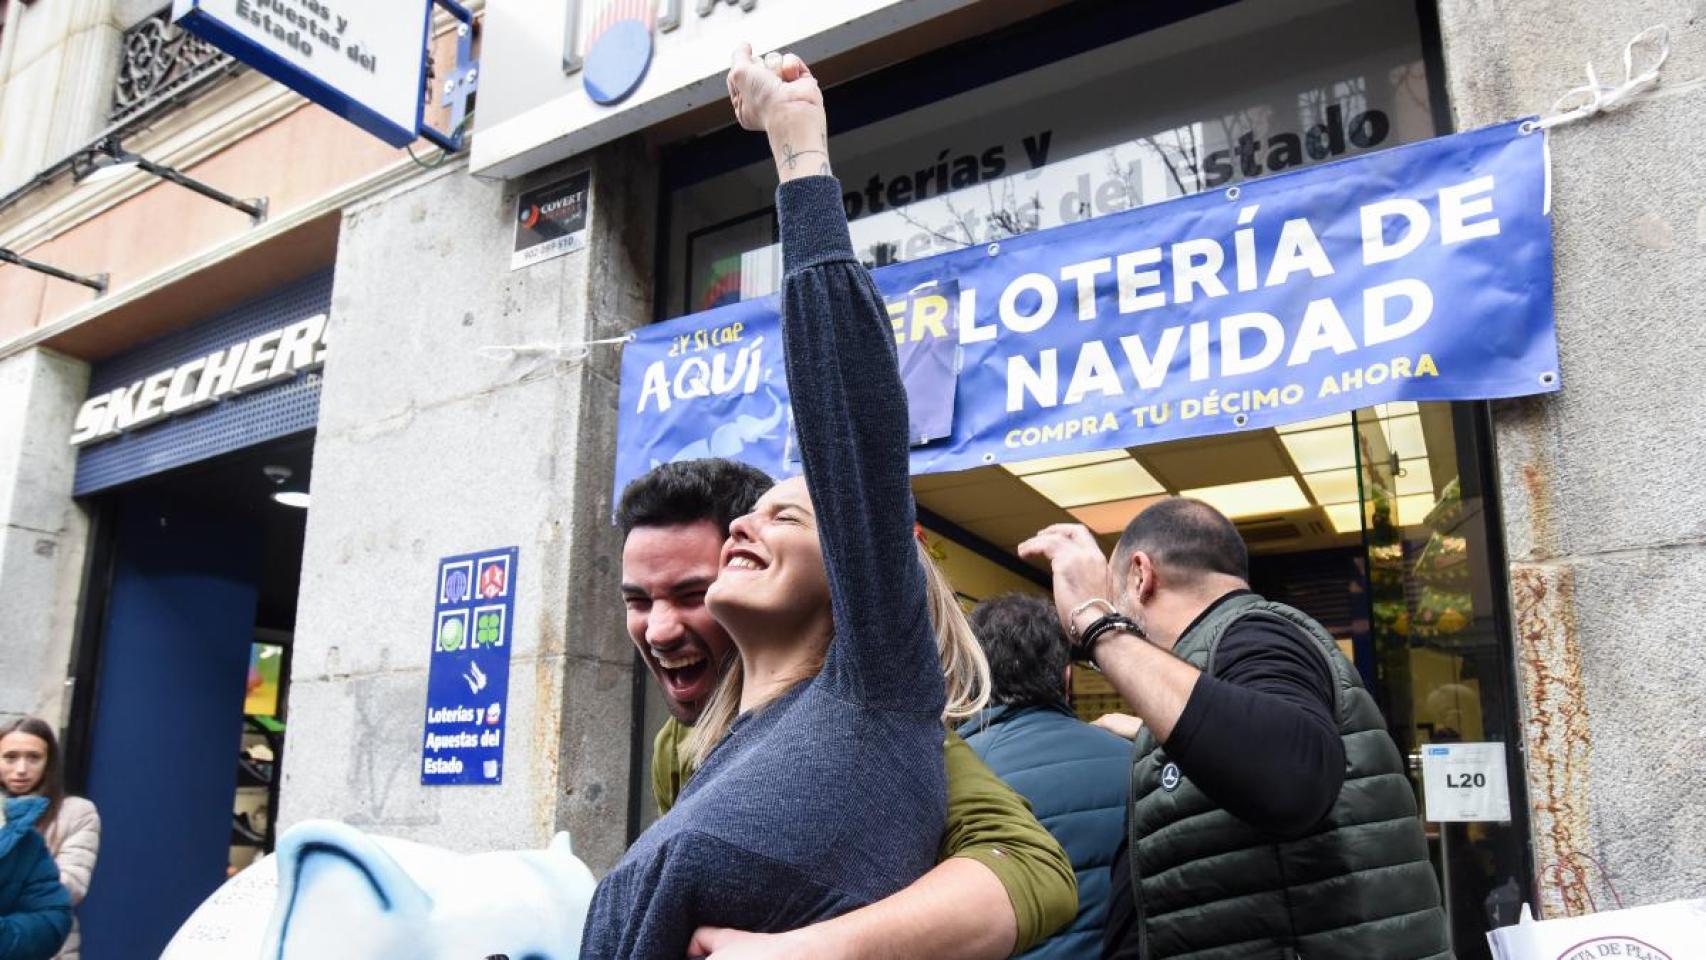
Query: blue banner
[468, 681]
[1423, 272]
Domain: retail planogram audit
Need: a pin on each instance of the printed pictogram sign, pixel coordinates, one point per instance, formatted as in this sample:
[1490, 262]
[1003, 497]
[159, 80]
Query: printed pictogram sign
[468, 681]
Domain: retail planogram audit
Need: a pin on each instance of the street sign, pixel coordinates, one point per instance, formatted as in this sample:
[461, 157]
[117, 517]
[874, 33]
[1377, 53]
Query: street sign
[364, 60]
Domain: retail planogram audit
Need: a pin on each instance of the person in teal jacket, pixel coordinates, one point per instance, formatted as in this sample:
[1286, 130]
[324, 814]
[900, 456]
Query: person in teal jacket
[35, 909]
[1074, 774]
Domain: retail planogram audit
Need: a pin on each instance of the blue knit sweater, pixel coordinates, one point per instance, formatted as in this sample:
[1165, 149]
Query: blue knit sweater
[833, 796]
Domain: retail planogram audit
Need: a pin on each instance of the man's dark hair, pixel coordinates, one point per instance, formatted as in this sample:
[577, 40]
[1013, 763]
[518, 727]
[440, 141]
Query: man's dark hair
[689, 491]
[1185, 535]
[1027, 649]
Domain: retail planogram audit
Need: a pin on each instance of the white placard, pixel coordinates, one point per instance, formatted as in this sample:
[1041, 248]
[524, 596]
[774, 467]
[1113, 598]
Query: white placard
[1465, 782]
[362, 59]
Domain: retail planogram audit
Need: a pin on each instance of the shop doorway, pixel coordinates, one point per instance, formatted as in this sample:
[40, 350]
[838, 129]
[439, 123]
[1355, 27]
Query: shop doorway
[1376, 523]
[186, 697]
[1371, 522]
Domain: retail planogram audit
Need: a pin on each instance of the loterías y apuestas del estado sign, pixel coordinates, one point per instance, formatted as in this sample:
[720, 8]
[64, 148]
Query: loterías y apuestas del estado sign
[261, 360]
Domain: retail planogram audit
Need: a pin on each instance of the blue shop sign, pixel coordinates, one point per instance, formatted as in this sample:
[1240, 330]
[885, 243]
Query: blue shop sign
[1422, 272]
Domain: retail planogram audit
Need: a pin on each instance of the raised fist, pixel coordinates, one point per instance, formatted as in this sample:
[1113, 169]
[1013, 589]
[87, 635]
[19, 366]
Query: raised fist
[774, 93]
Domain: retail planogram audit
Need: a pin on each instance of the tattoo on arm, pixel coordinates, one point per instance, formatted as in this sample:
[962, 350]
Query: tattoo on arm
[791, 157]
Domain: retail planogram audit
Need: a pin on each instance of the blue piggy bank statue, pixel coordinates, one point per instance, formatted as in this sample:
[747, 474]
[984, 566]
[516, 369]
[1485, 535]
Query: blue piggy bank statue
[332, 891]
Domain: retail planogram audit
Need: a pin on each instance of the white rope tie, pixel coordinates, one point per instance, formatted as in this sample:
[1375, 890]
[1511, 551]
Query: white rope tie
[566, 352]
[1594, 97]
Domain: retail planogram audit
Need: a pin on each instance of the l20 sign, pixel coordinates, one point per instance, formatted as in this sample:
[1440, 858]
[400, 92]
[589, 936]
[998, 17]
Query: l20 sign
[364, 60]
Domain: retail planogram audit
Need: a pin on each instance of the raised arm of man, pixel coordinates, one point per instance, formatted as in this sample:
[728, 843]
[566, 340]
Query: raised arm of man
[1259, 736]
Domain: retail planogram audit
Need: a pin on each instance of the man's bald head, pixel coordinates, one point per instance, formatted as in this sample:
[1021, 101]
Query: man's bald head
[1186, 539]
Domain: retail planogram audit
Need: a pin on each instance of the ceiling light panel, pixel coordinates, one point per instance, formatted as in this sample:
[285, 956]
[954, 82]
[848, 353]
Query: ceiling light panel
[1065, 461]
[1416, 478]
[1334, 486]
[1404, 436]
[1317, 450]
[1345, 517]
[1112, 517]
[1413, 510]
[1120, 479]
[1336, 420]
[1254, 498]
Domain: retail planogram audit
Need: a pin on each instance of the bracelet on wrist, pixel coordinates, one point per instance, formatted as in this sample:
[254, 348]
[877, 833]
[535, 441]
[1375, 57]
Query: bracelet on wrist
[1078, 611]
[1085, 648]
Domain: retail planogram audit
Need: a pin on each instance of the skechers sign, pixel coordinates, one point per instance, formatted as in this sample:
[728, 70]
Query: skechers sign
[364, 60]
[262, 360]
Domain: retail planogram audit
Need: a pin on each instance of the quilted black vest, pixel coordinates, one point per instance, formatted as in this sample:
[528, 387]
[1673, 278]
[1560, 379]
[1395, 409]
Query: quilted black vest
[1359, 886]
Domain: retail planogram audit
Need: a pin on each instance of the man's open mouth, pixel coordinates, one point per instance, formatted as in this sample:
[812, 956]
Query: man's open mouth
[685, 674]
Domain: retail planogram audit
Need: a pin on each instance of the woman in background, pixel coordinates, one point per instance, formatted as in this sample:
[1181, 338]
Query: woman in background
[70, 826]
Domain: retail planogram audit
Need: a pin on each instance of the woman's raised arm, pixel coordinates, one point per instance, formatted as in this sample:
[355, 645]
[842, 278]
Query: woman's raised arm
[849, 406]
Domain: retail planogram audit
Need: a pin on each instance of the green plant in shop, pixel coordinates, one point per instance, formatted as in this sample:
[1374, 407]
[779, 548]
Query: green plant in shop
[1427, 598]
[1444, 606]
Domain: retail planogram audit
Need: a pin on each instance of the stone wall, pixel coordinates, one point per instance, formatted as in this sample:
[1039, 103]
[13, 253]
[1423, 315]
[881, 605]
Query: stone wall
[427, 448]
[42, 532]
[1603, 489]
[56, 83]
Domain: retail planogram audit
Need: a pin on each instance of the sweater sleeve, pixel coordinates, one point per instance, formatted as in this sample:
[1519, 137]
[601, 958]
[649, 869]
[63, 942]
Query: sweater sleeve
[991, 823]
[34, 927]
[77, 848]
[851, 418]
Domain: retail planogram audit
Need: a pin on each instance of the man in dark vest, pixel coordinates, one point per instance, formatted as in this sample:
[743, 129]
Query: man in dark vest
[1270, 815]
[1073, 774]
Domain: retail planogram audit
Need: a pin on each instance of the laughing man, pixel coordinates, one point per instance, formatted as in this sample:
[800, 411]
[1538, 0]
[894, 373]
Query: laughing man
[1002, 883]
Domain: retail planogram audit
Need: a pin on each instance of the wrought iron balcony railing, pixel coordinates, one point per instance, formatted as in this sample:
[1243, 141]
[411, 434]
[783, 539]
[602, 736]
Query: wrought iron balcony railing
[161, 64]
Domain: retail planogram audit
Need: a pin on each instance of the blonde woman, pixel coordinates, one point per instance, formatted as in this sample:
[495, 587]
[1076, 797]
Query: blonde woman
[30, 766]
[820, 787]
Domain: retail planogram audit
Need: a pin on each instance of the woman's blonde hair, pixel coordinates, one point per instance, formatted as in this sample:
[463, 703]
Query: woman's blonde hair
[965, 669]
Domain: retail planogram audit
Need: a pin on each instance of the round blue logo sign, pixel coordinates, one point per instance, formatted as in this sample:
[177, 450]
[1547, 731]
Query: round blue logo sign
[618, 53]
[1170, 777]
